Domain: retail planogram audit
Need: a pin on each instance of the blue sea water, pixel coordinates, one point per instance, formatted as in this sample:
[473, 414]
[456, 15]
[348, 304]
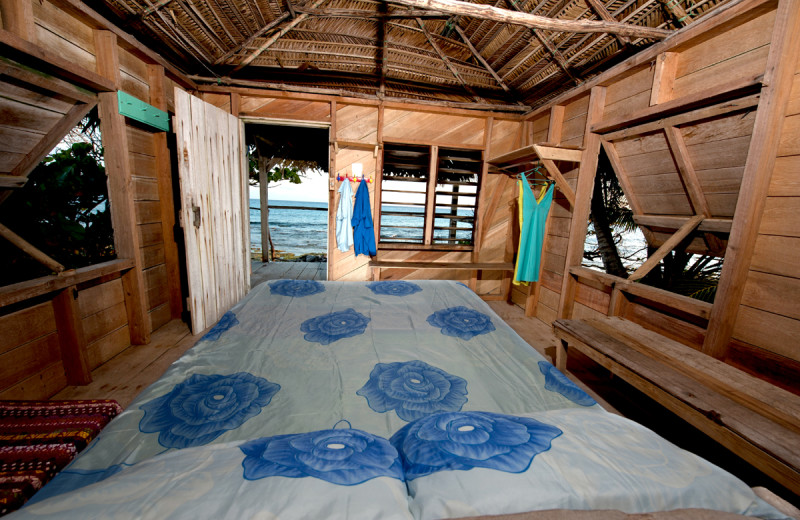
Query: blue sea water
[304, 231]
[295, 231]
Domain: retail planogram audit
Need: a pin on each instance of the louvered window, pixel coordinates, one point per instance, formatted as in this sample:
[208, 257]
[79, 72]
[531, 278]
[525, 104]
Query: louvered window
[429, 196]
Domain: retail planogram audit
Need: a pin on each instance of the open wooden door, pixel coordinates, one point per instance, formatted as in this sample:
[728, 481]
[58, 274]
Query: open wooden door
[214, 207]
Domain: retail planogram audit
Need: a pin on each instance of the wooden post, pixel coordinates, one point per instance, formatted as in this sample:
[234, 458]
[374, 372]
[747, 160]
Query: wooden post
[583, 198]
[664, 78]
[430, 197]
[263, 181]
[332, 250]
[784, 52]
[556, 124]
[71, 337]
[120, 189]
[18, 18]
[158, 99]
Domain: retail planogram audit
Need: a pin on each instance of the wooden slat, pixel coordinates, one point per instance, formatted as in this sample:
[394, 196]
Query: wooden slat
[713, 225]
[683, 161]
[666, 248]
[459, 266]
[664, 78]
[555, 153]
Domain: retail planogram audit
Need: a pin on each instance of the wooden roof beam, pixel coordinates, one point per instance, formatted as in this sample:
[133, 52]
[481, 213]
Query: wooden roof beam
[266, 45]
[364, 14]
[481, 60]
[535, 21]
[601, 11]
[274, 23]
[446, 61]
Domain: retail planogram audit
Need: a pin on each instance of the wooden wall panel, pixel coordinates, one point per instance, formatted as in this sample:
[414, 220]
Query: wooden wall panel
[769, 314]
[29, 352]
[432, 128]
[63, 35]
[629, 95]
[133, 75]
[357, 123]
[505, 137]
[540, 126]
[296, 109]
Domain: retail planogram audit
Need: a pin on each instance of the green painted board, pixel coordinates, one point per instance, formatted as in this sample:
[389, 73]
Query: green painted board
[134, 108]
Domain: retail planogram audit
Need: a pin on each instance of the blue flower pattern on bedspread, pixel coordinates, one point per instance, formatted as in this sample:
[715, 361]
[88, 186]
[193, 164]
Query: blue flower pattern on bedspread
[461, 322]
[556, 381]
[332, 327]
[465, 440]
[413, 389]
[345, 457]
[296, 288]
[227, 321]
[394, 288]
[203, 407]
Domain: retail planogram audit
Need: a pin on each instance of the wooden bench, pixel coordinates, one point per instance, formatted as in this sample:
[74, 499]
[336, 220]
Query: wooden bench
[756, 420]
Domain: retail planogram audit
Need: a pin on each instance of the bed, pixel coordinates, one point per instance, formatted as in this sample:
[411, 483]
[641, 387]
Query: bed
[385, 399]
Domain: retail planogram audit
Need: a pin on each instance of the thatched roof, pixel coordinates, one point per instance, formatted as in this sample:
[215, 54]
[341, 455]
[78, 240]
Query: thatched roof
[408, 51]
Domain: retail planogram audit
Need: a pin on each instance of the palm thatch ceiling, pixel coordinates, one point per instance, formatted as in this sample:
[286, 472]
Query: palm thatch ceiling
[505, 53]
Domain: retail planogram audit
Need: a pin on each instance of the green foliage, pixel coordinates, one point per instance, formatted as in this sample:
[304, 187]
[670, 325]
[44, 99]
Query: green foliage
[63, 210]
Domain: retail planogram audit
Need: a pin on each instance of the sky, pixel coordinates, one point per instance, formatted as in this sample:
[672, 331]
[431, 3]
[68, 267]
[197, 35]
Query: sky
[314, 188]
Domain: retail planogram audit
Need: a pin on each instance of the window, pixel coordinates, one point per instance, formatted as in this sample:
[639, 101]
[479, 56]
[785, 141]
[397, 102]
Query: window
[429, 196]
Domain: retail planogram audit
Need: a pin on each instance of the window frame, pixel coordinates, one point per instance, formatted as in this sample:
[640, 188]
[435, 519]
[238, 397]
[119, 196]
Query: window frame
[428, 240]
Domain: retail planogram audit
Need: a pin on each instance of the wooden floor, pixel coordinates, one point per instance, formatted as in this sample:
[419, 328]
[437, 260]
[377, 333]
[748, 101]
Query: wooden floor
[288, 270]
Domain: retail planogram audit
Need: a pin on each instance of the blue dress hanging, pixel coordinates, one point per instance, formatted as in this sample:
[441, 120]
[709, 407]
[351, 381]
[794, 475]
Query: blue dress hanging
[534, 216]
[363, 232]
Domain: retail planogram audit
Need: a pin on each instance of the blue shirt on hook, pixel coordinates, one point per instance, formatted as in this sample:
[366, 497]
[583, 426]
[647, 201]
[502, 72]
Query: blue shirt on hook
[363, 232]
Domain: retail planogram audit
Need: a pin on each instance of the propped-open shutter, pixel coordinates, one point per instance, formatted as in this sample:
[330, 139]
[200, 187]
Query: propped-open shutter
[214, 207]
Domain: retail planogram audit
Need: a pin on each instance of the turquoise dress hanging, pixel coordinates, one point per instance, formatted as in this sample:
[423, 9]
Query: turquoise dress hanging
[533, 214]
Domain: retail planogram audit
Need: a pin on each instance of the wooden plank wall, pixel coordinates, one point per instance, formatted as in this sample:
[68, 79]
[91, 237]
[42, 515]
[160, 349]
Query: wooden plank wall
[768, 322]
[731, 49]
[30, 342]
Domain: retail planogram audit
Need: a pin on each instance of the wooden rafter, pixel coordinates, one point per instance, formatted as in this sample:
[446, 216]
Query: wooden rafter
[266, 45]
[480, 59]
[364, 14]
[535, 21]
[274, 23]
[446, 60]
[601, 11]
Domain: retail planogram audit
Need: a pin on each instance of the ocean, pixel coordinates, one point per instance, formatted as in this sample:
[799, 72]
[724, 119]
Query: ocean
[305, 231]
[296, 231]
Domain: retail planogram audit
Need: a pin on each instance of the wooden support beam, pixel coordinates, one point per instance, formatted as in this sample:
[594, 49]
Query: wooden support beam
[430, 197]
[275, 37]
[52, 138]
[666, 247]
[557, 56]
[488, 12]
[711, 225]
[664, 78]
[561, 182]
[679, 14]
[784, 54]
[446, 61]
[622, 176]
[120, 190]
[364, 14]
[477, 241]
[556, 125]
[680, 153]
[554, 153]
[583, 197]
[12, 181]
[18, 18]
[71, 337]
[158, 98]
[601, 11]
[30, 249]
[274, 23]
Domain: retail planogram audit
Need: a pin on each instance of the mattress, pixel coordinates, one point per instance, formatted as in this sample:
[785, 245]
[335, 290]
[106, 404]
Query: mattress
[386, 399]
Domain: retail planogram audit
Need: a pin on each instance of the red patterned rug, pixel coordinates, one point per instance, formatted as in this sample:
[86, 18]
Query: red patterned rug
[39, 438]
